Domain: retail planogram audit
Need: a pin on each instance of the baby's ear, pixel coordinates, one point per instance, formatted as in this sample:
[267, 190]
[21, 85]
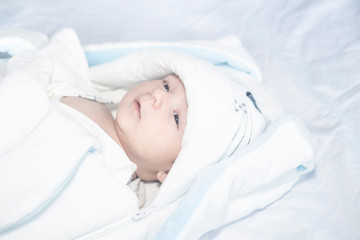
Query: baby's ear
[161, 176]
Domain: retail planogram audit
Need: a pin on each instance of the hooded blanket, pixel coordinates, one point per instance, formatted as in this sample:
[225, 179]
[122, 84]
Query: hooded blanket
[223, 180]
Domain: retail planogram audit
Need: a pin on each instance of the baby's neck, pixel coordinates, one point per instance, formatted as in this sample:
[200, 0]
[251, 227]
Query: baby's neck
[96, 111]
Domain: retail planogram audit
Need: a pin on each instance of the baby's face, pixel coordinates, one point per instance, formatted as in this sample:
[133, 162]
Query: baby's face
[150, 123]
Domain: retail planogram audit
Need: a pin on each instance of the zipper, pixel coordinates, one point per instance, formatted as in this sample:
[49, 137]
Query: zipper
[116, 225]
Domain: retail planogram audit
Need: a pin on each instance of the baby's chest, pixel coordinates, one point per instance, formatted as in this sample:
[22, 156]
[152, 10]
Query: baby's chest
[96, 111]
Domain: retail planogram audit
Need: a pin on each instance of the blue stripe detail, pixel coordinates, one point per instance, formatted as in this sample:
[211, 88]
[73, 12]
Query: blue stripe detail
[300, 168]
[177, 221]
[42, 207]
[96, 57]
[172, 228]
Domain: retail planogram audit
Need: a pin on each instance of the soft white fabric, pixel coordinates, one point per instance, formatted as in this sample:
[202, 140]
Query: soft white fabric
[58, 167]
[217, 110]
[94, 191]
[308, 53]
[38, 167]
[255, 177]
[23, 87]
[13, 41]
[70, 78]
[70, 71]
[154, 63]
[112, 157]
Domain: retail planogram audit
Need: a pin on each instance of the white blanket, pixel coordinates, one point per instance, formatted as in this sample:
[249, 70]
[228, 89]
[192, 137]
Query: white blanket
[54, 172]
[223, 192]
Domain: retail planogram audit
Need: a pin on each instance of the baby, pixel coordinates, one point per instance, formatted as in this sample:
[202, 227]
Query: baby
[149, 124]
[181, 116]
[172, 89]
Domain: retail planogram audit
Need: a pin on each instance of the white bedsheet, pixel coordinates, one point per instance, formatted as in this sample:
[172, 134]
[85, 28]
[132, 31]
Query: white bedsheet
[308, 53]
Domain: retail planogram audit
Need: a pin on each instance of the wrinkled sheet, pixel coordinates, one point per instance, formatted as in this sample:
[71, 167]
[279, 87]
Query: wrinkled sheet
[308, 53]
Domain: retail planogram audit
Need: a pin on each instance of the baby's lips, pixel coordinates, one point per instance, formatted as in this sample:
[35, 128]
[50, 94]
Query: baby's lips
[137, 106]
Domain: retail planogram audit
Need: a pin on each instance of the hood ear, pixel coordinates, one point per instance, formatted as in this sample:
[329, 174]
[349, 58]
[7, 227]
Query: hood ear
[161, 176]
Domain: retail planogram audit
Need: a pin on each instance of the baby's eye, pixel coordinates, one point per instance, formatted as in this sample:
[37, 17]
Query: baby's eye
[166, 86]
[176, 117]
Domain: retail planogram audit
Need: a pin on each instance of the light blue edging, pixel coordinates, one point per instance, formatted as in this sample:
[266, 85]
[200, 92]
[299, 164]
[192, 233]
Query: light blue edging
[96, 57]
[177, 221]
[42, 207]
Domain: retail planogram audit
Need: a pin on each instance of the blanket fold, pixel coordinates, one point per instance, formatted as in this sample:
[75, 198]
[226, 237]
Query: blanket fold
[252, 179]
[32, 175]
[50, 159]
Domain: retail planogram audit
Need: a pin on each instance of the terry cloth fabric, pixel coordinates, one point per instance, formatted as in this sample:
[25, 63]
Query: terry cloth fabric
[222, 114]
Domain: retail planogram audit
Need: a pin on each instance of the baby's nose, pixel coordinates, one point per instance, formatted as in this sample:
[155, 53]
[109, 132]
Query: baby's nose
[159, 96]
